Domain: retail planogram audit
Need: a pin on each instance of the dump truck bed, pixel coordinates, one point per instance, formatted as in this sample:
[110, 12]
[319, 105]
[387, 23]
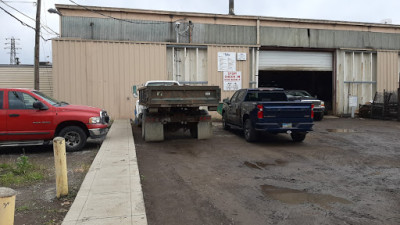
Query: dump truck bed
[179, 96]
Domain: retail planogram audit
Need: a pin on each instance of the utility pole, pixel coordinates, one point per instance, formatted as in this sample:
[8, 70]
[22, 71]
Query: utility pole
[13, 50]
[37, 44]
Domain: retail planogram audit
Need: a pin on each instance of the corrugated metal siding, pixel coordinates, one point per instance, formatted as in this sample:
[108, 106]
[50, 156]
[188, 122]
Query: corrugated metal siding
[192, 64]
[102, 74]
[155, 31]
[216, 78]
[295, 61]
[224, 34]
[356, 75]
[109, 29]
[314, 38]
[22, 77]
[388, 71]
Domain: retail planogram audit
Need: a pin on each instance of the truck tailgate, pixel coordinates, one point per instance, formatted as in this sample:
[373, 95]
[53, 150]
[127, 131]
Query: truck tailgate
[287, 111]
[180, 96]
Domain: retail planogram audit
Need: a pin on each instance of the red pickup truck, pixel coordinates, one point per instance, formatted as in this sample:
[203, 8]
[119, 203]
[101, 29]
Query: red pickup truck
[29, 117]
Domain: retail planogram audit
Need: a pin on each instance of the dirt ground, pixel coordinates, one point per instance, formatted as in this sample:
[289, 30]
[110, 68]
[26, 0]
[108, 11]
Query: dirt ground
[346, 172]
[37, 204]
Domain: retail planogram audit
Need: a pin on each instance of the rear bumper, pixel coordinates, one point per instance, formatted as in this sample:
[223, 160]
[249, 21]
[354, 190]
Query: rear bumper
[319, 110]
[98, 132]
[278, 128]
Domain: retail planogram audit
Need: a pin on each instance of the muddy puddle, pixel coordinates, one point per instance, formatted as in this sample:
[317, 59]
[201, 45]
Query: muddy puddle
[295, 197]
[341, 130]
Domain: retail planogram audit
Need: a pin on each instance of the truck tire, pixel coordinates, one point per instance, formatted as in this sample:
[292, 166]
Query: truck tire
[318, 116]
[139, 119]
[193, 131]
[224, 124]
[250, 134]
[298, 136]
[75, 138]
[143, 124]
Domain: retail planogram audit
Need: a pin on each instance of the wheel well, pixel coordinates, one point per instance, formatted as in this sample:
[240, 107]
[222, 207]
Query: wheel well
[71, 123]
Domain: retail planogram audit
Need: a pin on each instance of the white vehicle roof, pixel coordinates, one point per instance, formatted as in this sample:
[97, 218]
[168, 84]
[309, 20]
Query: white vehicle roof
[162, 81]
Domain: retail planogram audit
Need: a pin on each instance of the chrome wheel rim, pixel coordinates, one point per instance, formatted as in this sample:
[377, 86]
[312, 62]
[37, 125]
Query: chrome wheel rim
[72, 139]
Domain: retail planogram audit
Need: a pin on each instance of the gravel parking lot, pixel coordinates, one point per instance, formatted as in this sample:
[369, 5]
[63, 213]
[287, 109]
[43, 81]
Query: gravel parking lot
[346, 172]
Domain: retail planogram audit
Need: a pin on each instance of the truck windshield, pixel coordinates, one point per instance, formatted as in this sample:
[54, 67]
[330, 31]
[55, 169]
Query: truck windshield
[50, 100]
[266, 96]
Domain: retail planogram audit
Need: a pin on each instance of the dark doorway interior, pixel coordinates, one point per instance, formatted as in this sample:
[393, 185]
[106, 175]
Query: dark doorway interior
[317, 83]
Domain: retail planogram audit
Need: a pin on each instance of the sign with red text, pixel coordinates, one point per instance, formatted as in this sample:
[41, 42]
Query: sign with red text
[232, 80]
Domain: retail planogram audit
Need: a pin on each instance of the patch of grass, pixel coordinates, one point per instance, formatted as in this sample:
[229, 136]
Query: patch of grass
[22, 208]
[20, 173]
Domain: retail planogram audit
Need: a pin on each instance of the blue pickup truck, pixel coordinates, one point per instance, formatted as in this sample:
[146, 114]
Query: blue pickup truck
[267, 110]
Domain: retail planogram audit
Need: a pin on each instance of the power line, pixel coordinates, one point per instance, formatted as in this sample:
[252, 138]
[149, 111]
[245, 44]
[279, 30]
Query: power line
[128, 21]
[44, 27]
[22, 22]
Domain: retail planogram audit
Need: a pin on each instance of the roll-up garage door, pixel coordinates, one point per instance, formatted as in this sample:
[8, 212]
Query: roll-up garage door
[295, 61]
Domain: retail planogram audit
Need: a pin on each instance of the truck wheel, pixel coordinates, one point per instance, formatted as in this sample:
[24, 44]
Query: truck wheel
[250, 134]
[143, 124]
[193, 131]
[298, 136]
[224, 124]
[318, 116]
[75, 138]
[140, 119]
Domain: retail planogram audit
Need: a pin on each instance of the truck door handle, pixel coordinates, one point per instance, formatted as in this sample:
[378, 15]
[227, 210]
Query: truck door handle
[14, 115]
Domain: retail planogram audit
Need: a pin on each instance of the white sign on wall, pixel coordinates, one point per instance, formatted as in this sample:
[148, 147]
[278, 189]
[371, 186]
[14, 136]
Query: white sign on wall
[241, 56]
[353, 101]
[226, 61]
[232, 80]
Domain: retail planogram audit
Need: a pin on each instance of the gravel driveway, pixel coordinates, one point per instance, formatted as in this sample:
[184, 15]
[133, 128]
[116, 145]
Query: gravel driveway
[346, 172]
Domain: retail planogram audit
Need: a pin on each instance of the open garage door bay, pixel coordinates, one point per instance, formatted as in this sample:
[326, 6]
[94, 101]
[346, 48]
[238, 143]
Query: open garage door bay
[298, 70]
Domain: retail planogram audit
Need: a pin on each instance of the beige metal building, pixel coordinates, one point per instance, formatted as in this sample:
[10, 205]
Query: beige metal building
[103, 52]
[21, 76]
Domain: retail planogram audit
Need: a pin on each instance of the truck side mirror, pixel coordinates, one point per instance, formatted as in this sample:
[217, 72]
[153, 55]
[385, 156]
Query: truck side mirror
[134, 91]
[39, 105]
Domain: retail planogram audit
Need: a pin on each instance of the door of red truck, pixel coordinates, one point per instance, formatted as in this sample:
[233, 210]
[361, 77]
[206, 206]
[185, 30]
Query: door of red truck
[24, 122]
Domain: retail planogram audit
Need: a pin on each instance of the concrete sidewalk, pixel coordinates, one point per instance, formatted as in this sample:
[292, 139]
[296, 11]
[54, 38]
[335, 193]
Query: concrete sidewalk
[111, 192]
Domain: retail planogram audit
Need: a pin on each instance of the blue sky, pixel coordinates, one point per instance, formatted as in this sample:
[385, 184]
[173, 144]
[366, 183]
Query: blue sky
[342, 10]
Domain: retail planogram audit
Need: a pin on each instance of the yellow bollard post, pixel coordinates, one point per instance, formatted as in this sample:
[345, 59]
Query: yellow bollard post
[7, 206]
[60, 160]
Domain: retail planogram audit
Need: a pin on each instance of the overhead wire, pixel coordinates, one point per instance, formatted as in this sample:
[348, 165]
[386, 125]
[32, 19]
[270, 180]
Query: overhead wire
[22, 22]
[44, 27]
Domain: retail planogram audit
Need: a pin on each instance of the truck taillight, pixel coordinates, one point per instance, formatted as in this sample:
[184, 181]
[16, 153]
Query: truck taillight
[312, 111]
[260, 113]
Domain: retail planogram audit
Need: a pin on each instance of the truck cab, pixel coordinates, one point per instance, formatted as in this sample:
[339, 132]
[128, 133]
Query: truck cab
[29, 117]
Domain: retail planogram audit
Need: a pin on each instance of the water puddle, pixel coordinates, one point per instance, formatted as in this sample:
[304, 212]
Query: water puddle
[295, 197]
[260, 165]
[341, 130]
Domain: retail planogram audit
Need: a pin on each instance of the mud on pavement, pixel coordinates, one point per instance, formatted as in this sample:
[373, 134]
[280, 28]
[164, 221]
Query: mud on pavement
[346, 172]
